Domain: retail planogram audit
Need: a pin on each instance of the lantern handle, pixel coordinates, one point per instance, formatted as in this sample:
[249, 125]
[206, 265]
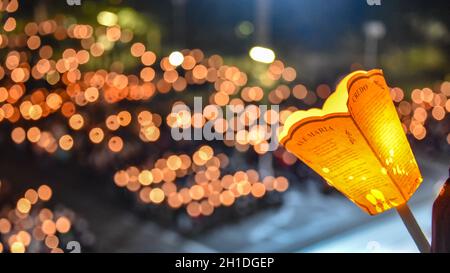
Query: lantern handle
[413, 228]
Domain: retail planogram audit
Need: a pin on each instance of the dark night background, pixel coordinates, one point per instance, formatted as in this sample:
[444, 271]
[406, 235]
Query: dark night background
[322, 40]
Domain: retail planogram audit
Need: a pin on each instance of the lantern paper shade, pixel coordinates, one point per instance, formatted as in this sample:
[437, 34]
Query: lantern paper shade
[357, 143]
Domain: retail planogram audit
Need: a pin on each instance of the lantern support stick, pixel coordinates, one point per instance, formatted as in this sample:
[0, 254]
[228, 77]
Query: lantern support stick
[413, 228]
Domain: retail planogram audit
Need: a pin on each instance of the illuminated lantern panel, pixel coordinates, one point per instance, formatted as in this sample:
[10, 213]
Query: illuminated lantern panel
[357, 143]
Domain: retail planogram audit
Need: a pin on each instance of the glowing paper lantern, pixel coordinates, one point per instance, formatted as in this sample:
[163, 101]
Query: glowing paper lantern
[357, 144]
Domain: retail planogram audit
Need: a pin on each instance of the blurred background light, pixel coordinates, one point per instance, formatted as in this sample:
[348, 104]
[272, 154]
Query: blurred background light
[176, 58]
[262, 54]
[107, 18]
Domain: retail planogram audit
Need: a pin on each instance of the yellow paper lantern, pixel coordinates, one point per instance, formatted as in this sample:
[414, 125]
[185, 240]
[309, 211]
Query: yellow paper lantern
[357, 144]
